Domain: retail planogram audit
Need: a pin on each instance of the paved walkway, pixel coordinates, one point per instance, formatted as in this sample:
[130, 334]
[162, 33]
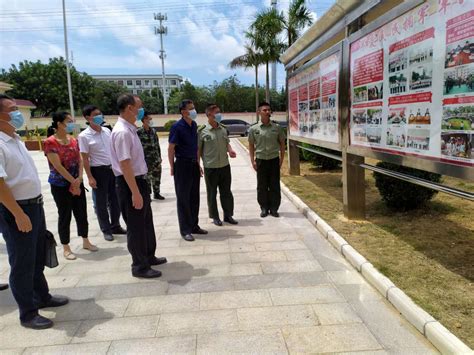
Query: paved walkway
[265, 286]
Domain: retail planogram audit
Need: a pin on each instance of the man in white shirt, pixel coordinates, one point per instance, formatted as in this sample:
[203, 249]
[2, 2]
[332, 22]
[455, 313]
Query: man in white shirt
[94, 144]
[22, 221]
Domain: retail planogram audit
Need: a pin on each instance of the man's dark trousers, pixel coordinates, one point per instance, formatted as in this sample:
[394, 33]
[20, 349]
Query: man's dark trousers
[268, 184]
[106, 202]
[186, 184]
[219, 178]
[141, 239]
[26, 257]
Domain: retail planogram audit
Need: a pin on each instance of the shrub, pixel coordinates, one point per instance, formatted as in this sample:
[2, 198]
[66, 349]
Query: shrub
[402, 195]
[168, 125]
[319, 160]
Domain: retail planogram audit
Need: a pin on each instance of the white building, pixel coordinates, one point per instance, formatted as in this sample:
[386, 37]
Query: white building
[136, 84]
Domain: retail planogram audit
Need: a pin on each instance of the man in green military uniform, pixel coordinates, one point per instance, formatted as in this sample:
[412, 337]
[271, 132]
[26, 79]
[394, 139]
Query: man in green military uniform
[267, 143]
[151, 148]
[213, 147]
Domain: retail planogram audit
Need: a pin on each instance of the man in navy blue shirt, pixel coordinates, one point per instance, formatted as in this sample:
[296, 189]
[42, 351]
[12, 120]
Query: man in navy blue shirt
[184, 163]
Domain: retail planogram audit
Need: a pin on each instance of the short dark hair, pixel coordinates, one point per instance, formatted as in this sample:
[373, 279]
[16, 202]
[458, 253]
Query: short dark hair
[87, 110]
[146, 113]
[124, 100]
[182, 105]
[264, 103]
[211, 107]
[4, 97]
[59, 117]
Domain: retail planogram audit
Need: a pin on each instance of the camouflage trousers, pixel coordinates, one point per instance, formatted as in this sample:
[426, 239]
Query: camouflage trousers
[154, 177]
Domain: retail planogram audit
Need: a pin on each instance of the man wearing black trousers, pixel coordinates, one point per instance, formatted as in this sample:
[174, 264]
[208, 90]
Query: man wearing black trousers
[183, 145]
[129, 166]
[22, 221]
[267, 143]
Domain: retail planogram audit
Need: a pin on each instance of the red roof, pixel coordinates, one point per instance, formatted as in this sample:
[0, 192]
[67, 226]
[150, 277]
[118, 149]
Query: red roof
[24, 103]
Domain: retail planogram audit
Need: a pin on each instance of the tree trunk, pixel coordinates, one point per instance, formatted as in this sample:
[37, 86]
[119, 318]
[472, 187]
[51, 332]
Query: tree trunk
[256, 92]
[267, 83]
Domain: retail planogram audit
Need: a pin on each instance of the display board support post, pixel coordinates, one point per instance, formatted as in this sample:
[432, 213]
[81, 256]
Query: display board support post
[293, 157]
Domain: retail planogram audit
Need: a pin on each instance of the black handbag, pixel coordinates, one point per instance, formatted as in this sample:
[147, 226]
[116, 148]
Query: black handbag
[50, 257]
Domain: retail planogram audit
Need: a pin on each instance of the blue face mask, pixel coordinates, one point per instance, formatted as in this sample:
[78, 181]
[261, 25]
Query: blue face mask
[70, 127]
[218, 117]
[16, 119]
[193, 114]
[141, 114]
[98, 120]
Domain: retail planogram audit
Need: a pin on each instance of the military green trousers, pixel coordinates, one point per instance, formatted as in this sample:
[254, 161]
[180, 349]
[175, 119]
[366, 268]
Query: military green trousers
[219, 178]
[154, 177]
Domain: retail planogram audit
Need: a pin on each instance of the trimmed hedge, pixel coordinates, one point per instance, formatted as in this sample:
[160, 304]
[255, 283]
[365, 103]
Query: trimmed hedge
[402, 195]
[168, 125]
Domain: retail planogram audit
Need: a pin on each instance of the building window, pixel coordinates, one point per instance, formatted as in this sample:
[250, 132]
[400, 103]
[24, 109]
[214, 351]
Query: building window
[147, 82]
[129, 83]
[139, 92]
[120, 82]
[138, 82]
[155, 82]
[173, 82]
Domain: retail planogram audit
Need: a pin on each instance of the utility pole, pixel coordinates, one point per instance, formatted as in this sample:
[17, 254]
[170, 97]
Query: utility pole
[274, 64]
[68, 70]
[161, 30]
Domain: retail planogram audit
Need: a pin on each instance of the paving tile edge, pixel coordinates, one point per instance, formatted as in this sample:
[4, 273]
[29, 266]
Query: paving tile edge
[445, 341]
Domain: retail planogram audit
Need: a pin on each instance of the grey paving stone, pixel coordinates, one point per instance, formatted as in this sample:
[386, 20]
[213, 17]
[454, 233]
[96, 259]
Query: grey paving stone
[176, 251]
[242, 248]
[88, 309]
[141, 306]
[346, 277]
[291, 266]
[15, 336]
[16, 351]
[335, 313]
[359, 292]
[156, 287]
[261, 342]
[235, 299]
[95, 348]
[206, 284]
[202, 260]
[216, 249]
[330, 338]
[294, 255]
[276, 317]
[211, 321]
[115, 329]
[183, 344]
[265, 281]
[258, 256]
[305, 295]
[279, 245]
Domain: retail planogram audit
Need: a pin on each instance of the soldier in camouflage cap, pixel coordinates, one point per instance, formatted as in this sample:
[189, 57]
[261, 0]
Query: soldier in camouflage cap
[151, 148]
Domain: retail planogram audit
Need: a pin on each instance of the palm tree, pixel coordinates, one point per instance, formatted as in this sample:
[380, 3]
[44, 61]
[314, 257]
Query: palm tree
[251, 59]
[264, 36]
[298, 18]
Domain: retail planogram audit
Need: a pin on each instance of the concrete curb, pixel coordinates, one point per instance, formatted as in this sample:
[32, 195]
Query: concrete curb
[445, 341]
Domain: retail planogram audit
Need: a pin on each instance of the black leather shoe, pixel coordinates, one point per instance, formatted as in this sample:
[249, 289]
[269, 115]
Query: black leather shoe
[275, 214]
[3, 287]
[55, 301]
[200, 231]
[38, 322]
[188, 238]
[217, 222]
[230, 220]
[158, 261]
[158, 197]
[108, 237]
[263, 213]
[119, 230]
[147, 274]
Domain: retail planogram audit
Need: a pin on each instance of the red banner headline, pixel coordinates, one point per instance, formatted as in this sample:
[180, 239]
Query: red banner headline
[459, 100]
[460, 18]
[410, 99]
[416, 38]
[460, 31]
[368, 104]
[368, 69]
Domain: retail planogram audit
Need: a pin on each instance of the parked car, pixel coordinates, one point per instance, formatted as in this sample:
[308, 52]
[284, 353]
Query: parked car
[283, 124]
[236, 127]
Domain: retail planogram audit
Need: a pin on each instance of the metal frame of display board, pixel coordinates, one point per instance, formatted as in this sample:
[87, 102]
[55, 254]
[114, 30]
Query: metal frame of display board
[327, 53]
[435, 165]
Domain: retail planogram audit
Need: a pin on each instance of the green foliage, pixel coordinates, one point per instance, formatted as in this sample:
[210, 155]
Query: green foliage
[46, 86]
[168, 125]
[319, 160]
[151, 102]
[401, 195]
[105, 96]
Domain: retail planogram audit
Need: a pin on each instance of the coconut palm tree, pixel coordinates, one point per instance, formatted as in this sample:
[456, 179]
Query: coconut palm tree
[265, 36]
[298, 18]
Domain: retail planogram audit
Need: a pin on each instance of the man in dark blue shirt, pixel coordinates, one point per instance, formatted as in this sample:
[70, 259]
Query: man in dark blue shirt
[184, 163]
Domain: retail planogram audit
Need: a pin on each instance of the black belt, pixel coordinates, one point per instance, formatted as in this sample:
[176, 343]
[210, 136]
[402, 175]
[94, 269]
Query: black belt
[32, 201]
[191, 160]
[102, 167]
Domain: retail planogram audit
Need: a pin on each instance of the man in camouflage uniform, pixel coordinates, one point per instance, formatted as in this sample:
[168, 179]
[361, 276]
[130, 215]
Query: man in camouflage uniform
[151, 148]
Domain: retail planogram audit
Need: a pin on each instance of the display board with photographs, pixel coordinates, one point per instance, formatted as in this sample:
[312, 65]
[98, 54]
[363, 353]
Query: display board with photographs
[313, 101]
[412, 84]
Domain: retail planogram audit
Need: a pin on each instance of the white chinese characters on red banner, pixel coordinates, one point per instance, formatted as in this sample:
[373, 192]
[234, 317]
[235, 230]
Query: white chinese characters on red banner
[313, 101]
[412, 84]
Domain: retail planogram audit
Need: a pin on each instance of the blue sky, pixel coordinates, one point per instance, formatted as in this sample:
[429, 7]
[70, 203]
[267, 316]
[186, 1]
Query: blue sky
[117, 37]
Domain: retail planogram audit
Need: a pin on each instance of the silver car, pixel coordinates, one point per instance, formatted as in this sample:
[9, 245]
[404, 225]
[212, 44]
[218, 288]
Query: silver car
[236, 127]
